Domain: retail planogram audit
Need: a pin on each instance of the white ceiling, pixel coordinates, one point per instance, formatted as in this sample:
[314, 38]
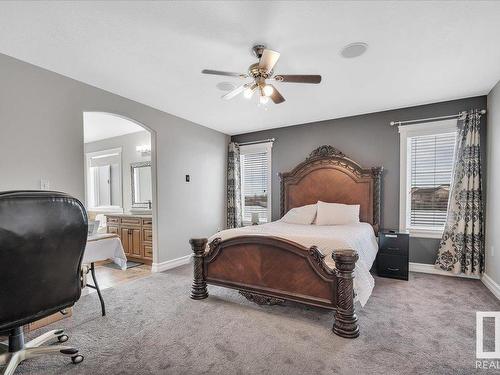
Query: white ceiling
[99, 125]
[153, 52]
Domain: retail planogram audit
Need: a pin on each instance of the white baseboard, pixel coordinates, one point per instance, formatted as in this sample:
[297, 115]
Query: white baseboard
[491, 285]
[429, 268]
[169, 264]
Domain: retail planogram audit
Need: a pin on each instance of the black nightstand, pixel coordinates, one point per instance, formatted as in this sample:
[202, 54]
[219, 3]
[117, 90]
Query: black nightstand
[392, 257]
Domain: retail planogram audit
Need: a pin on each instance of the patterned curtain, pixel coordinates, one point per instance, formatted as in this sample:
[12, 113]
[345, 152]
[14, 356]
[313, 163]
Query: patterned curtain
[234, 218]
[462, 245]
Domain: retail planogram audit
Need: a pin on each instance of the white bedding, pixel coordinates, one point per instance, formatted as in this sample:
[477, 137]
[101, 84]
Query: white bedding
[359, 236]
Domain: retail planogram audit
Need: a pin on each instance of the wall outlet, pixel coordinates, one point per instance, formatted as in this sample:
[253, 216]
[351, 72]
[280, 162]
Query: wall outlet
[44, 184]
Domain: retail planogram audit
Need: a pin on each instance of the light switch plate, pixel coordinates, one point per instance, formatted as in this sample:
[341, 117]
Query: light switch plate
[44, 184]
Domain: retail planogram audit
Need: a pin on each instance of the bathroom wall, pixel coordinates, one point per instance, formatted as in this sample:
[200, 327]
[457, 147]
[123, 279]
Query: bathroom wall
[127, 143]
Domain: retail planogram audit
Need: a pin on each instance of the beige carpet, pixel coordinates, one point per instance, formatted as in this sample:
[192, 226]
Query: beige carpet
[424, 326]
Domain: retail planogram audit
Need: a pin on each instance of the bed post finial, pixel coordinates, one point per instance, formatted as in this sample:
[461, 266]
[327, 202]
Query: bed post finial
[346, 321]
[199, 287]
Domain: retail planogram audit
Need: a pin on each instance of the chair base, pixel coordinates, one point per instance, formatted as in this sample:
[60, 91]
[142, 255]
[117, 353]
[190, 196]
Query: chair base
[33, 348]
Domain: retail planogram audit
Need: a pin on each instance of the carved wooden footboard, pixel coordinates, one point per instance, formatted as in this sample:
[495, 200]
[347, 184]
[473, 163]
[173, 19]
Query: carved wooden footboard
[272, 269]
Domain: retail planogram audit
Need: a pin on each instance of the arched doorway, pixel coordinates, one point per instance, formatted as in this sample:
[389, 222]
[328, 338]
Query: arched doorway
[121, 190]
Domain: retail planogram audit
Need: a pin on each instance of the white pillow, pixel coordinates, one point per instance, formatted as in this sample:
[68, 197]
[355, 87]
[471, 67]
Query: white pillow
[300, 215]
[337, 213]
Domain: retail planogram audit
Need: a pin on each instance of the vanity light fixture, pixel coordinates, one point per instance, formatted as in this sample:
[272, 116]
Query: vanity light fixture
[143, 149]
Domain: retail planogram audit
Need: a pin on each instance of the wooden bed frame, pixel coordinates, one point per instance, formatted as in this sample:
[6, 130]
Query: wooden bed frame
[269, 270]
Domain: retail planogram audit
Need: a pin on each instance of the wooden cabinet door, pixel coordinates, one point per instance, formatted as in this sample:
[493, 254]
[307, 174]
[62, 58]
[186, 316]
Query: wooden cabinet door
[135, 242]
[148, 251]
[147, 235]
[125, 238]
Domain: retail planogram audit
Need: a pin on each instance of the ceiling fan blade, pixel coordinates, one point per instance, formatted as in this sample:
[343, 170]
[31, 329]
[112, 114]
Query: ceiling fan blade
[298, 78]
[268, 59]
[252, 87]
[222, 73]
[276, 97]
[236, 91]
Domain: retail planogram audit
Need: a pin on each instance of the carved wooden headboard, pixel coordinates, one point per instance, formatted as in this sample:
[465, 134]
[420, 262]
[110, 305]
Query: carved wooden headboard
[328, 175]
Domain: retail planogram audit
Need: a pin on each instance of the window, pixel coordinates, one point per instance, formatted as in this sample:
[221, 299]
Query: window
[255, 161]
[104, 180]
[427, 154]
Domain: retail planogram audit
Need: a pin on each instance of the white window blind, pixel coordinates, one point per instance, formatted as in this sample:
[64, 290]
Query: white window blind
[256, 175]
[431, 165]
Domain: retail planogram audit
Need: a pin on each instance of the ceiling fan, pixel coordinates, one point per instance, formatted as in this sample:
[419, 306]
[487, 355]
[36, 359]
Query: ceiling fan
[260, 72]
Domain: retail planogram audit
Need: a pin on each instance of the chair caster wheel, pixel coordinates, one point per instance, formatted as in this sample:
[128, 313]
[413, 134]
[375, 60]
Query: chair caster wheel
[77, 359]
[62, 338]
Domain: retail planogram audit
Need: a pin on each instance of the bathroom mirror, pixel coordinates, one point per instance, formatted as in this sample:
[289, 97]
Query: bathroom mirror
[140, 175]
[104, 180]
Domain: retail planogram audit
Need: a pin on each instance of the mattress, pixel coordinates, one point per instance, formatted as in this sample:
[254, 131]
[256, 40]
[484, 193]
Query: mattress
[327, 238]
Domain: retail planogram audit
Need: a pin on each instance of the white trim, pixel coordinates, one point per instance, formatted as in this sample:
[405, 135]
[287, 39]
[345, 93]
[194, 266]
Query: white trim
[256, 147]
[429, 268]
[491, 285]
[107, 209]
[405, 132]
[422, 233]
[429, 128]
[169, 264]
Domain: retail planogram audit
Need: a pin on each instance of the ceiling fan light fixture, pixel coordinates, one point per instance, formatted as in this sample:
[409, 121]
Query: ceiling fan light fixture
[260, 72]
[268, 90]
[248, 93]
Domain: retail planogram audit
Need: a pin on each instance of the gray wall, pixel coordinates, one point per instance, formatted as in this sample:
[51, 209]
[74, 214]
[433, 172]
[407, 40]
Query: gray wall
[41, 135]
[369, 140]
[492, 185]
[127, 142]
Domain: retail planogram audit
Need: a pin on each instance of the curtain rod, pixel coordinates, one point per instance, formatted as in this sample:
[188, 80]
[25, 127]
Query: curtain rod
[255, 142]
[459, 114]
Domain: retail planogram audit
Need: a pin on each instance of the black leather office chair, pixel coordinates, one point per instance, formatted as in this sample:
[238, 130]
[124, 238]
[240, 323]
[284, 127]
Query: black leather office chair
[42, 239]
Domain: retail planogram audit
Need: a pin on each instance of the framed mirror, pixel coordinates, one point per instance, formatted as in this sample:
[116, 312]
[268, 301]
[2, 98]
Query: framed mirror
[140, 175]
